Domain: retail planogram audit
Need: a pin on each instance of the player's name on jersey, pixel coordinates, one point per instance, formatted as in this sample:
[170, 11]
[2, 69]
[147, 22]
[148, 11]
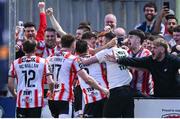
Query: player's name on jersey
[32, 59]
[60, 59]
[21, 66]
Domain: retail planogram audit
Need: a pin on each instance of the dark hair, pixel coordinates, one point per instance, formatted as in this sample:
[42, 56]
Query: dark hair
[177, 28]
[50, 29]
[110, 35]
[88, 35]
[29, 46]
[81, 46]
[84, 26]
[150, 4]
[29, 24]
[67, 40]
[138, 33]
[171, 17]
[147, 35]
[152, 38]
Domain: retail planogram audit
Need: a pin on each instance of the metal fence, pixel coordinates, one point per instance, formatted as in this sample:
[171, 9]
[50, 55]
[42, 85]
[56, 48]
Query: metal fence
[70, 13]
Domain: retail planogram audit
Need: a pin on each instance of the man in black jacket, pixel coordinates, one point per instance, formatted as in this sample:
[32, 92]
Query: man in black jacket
[163, 67]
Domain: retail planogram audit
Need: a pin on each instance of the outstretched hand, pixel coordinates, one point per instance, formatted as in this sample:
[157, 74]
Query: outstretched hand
[106, 92]
[164, 12]
[49, 11]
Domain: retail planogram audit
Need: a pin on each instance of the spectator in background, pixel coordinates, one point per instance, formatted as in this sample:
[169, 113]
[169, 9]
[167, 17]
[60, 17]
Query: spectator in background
[110, 20]
[170, 14]
[176, 37]
[142, 82]
[148, 41]
[170, 21]
[162, 65]
[121, 37]
[30, 72]
[171, 24]
[150, 12]
[120, 32]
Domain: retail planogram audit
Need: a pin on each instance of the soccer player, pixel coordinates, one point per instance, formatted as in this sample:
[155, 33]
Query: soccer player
[30, 72]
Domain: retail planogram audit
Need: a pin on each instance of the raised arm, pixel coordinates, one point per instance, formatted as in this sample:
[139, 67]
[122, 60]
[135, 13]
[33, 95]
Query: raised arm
[43, 22]
[90, 60]
[54, 22]
[127, 61]
[157, 27]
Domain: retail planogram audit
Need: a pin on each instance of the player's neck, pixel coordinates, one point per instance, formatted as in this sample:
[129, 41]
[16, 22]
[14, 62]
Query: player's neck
[29, 54]
[136, 50]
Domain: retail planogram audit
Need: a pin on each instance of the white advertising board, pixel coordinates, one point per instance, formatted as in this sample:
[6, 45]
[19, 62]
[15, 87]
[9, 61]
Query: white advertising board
[157, 108]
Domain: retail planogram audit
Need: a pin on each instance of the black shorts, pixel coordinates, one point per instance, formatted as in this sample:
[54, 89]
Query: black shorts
[77, 98]
[120, 103]
[59, 108]
[28, 112]
[95, 109]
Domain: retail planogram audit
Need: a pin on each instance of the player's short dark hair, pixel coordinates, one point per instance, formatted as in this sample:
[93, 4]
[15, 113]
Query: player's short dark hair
[81, 46]
[88, 35]
[150, 4]
[29, 46]
[67, 40]
[50, 29]
[171, 17]
[138, 33]
[29, 24]
[109, 35]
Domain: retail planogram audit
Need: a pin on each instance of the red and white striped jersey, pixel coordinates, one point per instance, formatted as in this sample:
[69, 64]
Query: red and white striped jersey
[142, 79]
[45, 52]
[64, 68]
[90, 94]
[30, 72]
